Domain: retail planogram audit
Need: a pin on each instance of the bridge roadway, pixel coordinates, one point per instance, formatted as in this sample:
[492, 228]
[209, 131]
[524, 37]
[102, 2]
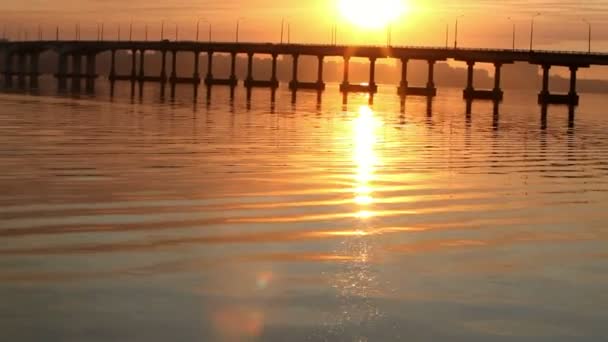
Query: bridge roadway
[25, 51]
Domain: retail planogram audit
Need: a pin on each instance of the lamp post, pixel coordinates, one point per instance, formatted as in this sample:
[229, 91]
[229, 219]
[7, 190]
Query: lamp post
[447, 34]
[589, 35]
[198, 22]
[513, 22]
[456, 31]
[238, 24]
[282, 29]
[532, 30]
[176, 33]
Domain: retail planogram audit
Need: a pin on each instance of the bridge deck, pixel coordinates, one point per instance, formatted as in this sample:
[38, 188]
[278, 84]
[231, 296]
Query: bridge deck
[565, 58]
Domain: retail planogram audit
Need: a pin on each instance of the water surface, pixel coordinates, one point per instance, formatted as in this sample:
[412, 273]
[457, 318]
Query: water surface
[150, 219]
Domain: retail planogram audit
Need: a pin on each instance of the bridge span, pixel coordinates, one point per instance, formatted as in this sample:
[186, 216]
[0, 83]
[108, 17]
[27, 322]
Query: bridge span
[22, 63]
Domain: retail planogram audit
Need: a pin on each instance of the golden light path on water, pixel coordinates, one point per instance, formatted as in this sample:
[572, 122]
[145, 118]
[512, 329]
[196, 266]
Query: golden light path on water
[364, 136]
[356, 283]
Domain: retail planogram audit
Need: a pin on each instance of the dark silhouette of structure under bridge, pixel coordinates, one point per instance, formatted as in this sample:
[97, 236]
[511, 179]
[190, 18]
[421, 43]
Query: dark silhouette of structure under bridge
[22, 64]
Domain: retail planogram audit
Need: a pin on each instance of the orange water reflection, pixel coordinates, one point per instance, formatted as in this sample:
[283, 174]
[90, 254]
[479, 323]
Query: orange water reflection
[365, 159]
[356, 283]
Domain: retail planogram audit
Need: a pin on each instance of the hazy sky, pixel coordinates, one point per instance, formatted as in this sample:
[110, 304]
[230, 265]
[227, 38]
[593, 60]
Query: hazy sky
[485, 22]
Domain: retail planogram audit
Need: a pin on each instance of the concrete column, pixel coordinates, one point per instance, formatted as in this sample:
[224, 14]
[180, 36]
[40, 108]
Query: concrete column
[545, 90]
[21, 69]
[174, 66]
[112, 65]
[142, 61]
[133, 64]
[470, 75]
[273, 78]
[573, 70]
[320, 70]
[163, 67]
[8, 70]
[209, 65]
[91, 72]
[346, 69]
[294, 71]
[76, 71]
[233, 67]
[250, 67]
[431, 81]
[404, 84]
[497, 67]
[372, 72]
[62, 69]
[34, 69]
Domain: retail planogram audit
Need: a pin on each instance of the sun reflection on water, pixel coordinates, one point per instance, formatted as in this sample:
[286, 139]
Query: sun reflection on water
[364, 156]
[356, 283]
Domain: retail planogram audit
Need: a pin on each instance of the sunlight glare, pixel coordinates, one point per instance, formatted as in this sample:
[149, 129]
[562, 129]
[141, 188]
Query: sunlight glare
[365, 158]
[372, 14]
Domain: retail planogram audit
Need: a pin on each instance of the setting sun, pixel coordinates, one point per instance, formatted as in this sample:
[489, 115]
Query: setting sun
[372, 14]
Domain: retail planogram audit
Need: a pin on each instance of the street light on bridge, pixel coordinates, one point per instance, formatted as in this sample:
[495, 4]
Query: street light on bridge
[456, 31]
[589, 35]
[532, 30]
[198, 25]
[513, 22]
[238, 23]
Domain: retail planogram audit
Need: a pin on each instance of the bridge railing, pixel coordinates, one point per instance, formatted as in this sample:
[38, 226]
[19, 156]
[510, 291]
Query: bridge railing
[344, 46]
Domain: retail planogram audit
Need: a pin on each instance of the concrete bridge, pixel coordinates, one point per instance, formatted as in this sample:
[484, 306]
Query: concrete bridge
[22, 64]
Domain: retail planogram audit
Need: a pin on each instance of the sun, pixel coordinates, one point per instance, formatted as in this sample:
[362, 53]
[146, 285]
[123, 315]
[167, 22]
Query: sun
[372, 14]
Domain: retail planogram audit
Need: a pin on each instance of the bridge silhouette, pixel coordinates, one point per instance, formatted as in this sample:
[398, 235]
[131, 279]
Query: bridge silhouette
[22, 64]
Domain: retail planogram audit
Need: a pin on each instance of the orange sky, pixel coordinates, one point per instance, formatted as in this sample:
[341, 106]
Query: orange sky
[485, 23]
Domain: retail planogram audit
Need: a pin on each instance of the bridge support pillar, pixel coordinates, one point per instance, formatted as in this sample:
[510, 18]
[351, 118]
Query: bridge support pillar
[403, 85]
[163, 67]
[196, 77]
[497, 75]
[76, 71]
[142, 65]
[545, 97]
[209, 76]
[293, 85]
[173, 66]
[470, 93]
[572, 93]
[545, 90]
[91, 73]
[34, 70]
[273, 79]
[62, 70]
[112, 65]
[431, 81]
[233, 79]
[470, 74]
[21, 70]
[133, 65]
[249, 80]
[373, 88]
[320, 83]
[8, 70]
[345, 81]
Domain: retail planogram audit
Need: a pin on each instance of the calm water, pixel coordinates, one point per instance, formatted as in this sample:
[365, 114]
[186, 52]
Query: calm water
[136, 219]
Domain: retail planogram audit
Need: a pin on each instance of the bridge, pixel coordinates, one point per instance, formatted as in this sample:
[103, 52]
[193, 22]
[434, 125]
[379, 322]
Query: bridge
[22, 63]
